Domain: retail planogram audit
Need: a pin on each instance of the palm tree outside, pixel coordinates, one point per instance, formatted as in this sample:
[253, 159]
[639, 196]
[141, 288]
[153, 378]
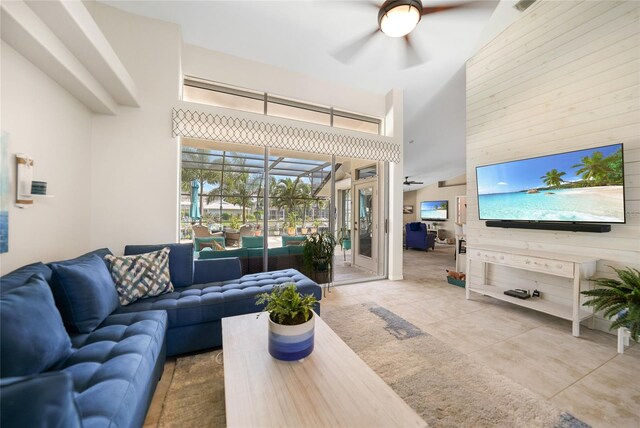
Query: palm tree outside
[244, 187]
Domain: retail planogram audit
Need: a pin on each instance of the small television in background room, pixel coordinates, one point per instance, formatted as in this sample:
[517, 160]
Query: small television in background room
[434, 210]
[582, 186]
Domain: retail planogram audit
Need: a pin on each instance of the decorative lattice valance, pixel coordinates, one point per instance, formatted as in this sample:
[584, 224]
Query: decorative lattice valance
[218, 127]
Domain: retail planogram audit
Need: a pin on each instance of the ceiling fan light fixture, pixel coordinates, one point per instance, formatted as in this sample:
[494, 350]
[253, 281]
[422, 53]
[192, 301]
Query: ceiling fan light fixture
[397, 18]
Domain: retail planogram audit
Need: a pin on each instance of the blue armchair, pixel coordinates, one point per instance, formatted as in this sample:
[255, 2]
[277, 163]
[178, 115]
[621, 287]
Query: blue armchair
[418, 237]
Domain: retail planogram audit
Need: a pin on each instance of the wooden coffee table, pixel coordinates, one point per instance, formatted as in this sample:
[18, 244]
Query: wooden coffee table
[331, 387]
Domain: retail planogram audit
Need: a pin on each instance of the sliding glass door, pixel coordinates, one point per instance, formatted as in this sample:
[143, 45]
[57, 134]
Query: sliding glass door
[261, 205]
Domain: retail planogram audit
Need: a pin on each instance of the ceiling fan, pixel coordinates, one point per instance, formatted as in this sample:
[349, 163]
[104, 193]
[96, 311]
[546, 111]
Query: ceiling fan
[408, 182]
[396, 18]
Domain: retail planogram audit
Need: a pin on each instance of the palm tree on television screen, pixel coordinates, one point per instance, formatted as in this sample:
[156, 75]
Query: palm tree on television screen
[553, 178]
[594, 168]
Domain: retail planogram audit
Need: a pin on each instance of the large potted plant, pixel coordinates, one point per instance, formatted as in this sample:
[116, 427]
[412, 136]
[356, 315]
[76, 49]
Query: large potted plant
[620, 298]
[291, 322]
[291, 226]
[318, 251]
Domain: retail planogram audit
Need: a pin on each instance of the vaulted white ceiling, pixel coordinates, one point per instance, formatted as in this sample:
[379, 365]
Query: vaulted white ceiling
[304, 36]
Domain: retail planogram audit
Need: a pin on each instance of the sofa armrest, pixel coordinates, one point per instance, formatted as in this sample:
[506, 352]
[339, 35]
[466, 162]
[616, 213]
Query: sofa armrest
[215, 270]
[44, 400]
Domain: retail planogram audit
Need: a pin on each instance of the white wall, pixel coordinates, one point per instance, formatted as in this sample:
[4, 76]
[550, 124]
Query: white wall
[565, 76]
[54, 128]
[135, 163]
[435, 193]
[232, 70]
[503, 16]
[409, 198]
[439, 126]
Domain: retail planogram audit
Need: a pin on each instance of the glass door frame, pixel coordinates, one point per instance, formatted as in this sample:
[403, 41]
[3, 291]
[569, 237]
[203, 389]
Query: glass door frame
[371, 262]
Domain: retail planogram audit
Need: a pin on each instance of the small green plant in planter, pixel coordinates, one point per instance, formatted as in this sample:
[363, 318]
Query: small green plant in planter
[291, 322]
[318, 252]
[235, 222]
[619, 297]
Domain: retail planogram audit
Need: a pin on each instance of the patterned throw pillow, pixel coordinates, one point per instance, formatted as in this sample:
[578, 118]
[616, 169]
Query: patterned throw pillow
[142, 275]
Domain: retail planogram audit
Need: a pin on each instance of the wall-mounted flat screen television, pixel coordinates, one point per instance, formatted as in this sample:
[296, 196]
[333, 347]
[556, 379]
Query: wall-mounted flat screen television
[579, 186]
[434, 210]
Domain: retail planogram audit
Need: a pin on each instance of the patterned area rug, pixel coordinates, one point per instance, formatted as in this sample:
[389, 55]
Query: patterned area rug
[445, 387]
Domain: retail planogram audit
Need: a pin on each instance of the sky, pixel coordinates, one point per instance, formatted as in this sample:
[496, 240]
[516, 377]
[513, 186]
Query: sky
[525, 174]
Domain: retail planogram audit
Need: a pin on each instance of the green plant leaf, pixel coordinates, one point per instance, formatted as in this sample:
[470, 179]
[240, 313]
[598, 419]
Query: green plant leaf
[616, 295]
[286, 305]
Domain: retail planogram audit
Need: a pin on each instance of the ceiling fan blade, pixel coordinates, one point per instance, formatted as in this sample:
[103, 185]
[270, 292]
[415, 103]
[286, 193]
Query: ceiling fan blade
[412, 57]
[436, 9]
[370, 3]
[347, 53]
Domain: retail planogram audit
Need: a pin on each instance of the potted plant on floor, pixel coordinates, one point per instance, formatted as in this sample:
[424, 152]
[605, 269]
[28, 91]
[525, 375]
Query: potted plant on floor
[291, 322]
[317, 254]
[620, 298]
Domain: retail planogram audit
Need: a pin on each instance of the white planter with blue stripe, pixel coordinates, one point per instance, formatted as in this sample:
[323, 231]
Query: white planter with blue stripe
[291, 342]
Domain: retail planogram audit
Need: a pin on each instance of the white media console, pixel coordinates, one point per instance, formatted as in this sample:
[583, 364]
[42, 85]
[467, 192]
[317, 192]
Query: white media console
[573, 267]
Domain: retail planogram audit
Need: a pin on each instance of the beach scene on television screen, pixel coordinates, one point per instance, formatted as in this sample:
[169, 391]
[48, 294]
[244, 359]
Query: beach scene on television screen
[433, 210]
[585, 185]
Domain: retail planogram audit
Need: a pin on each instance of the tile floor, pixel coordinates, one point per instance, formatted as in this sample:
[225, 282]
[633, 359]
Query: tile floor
[584, 376]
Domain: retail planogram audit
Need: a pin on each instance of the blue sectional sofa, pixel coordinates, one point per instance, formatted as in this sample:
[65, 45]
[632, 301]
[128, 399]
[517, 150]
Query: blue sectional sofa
[72, 356]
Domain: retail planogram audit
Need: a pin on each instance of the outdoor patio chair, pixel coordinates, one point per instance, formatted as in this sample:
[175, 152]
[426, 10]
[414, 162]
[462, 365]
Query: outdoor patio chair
[201, 231]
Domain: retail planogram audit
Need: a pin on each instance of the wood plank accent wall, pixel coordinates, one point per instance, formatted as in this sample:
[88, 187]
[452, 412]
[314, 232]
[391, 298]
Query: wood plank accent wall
[563, 77]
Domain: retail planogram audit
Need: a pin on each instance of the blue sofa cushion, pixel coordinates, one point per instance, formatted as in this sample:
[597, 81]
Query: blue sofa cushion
[113, 368]
[45, 400]
[84, 292]
[202, 303]
[414, 227]
[216, 270]
[180, 260]
[22, 275]
[32, 336]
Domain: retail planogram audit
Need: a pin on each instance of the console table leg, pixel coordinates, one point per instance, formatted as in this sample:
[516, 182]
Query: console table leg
[576, 301]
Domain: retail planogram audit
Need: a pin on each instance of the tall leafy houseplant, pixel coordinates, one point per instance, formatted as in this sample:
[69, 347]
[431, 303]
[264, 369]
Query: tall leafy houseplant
[619, 297]
[291, 322]
[318, 251]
